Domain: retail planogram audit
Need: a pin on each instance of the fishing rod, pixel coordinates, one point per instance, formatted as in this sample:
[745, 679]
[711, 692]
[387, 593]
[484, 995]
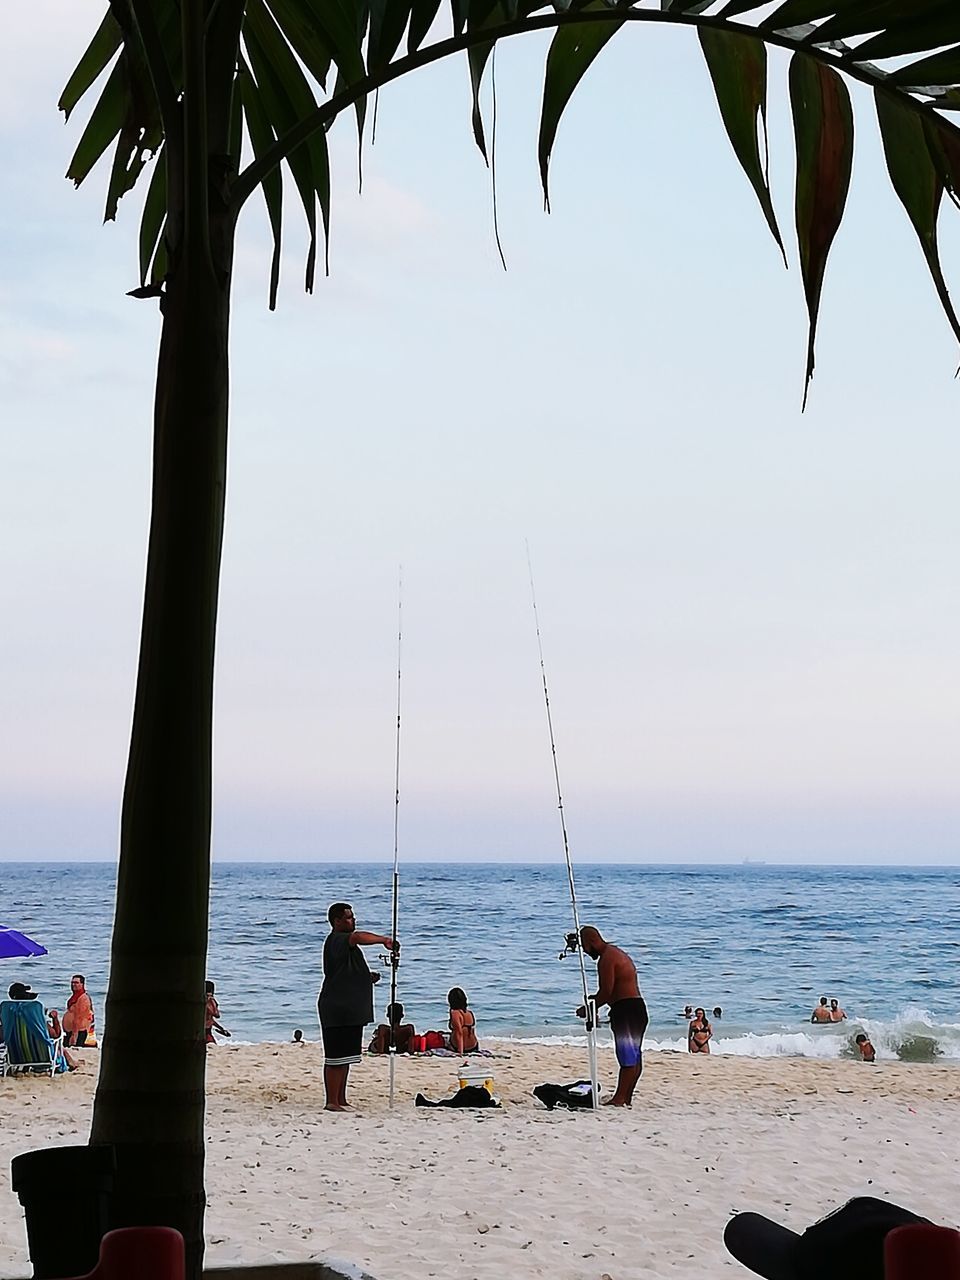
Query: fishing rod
[395, 953]
[572, 939]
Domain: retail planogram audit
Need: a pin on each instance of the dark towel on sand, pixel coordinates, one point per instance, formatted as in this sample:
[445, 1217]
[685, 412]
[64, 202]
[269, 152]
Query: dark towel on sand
[472, 1095]
[574, 1095]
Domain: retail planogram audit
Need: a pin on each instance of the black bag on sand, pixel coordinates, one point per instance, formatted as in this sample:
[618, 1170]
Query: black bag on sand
[471, 1095]
[576, 1095]
[846, 1243]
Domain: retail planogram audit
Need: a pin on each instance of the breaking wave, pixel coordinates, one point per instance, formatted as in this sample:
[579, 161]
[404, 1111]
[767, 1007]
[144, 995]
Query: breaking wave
[912, 1036]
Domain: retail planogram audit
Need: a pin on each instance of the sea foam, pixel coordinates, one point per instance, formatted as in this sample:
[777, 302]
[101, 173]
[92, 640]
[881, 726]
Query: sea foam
[911, 1036]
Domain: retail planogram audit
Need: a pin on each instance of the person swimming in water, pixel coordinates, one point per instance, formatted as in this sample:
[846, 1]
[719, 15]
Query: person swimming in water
[822, 1012]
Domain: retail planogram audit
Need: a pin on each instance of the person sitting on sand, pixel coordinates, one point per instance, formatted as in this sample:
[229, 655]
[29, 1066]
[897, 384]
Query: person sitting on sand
[822, 1012]
[617, 986]
[23, 991]
[867, 1052]
[297, 1037]
[699, 1033]
[463, 1023]
[212, 1016]
[836, 1013]
[395, 1029]
[78, 1015]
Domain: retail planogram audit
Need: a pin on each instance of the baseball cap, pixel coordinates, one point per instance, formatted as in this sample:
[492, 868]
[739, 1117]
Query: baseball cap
[22, 991]
[847, 1242]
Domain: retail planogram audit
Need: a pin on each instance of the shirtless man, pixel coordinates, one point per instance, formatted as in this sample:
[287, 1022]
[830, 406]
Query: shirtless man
[822, 1012]
[617, 987]
[836, 1013]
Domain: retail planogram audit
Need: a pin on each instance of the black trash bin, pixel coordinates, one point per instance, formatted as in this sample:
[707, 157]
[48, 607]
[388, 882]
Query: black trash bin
[65, 1193]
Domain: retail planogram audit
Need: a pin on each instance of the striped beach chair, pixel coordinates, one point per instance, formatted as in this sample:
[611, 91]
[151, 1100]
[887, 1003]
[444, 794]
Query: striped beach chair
[27, 1040]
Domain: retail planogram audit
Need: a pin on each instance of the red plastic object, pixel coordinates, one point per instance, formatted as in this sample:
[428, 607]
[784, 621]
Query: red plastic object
[921, 1252]
[140, 1253]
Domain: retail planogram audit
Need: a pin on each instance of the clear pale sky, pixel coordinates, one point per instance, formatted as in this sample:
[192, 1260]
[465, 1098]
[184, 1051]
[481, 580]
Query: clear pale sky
[750, 615]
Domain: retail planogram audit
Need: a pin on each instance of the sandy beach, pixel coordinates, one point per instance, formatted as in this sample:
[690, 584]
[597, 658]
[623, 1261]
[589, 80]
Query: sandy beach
[522, 1191]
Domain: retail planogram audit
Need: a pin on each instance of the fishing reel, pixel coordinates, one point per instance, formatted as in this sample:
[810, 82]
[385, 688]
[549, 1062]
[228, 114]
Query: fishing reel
[572, 945]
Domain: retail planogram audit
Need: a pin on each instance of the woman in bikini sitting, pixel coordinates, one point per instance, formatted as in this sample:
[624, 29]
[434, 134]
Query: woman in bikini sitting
[463, 1024]
[699, 1033]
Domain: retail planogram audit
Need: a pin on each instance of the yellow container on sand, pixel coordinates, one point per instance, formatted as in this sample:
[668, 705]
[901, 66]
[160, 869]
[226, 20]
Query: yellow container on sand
[476, 1076]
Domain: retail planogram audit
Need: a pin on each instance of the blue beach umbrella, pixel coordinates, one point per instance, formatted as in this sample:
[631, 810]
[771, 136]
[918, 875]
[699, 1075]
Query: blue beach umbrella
[14, 944]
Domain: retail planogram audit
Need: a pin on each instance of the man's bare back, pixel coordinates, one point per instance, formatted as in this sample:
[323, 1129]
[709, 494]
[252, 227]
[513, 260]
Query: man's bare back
[617, 975]
[617, 987]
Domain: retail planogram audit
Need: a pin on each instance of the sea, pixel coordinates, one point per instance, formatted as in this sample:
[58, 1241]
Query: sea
[762, 942]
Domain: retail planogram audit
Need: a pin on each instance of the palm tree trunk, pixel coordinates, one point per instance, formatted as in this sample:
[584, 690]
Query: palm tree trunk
[150, 1098]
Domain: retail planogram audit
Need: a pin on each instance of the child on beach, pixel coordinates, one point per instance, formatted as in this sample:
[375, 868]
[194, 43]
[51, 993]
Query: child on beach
[867, 1052]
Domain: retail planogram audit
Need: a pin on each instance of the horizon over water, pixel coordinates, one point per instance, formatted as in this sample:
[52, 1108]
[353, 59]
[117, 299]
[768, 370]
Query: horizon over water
[763, 940]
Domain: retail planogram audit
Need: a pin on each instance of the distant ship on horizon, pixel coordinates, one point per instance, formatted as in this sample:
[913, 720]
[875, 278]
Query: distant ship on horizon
[753, 862]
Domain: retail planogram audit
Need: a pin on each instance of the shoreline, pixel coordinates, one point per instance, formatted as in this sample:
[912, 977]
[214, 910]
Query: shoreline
[522, 1191]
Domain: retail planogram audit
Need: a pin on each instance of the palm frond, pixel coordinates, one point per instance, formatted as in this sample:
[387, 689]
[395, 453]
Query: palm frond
[906, 51]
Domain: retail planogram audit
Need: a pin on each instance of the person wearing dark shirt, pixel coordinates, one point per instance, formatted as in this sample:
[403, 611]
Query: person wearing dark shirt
[345, 1003]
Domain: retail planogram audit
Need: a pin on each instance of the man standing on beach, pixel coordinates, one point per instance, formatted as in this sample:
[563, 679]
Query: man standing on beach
[617, 987]
[345, 1003]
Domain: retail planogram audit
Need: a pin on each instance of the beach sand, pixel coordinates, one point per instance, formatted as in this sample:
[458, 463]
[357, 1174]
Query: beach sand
[523, 1192]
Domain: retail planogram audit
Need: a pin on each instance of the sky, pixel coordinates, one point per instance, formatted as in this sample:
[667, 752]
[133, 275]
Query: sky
[750, 614]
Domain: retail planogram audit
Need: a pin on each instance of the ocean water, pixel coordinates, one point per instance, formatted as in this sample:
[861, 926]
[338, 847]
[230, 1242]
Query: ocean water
[764, 942]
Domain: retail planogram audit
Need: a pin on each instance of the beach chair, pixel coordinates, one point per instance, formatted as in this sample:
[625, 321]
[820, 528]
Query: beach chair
[27, 1039]
[140, 1253]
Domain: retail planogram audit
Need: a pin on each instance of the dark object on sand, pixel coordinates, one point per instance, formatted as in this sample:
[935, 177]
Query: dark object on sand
[576, 1095]
[848, 1242]
[65, 1193]
[471, 1095]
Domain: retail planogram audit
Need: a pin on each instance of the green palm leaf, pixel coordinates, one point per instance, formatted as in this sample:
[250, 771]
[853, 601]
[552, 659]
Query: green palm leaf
[918, 182]
[823, 125]
[287, 97]
[572, 51]
[100, 51]
[738, 68]
[261, 139]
